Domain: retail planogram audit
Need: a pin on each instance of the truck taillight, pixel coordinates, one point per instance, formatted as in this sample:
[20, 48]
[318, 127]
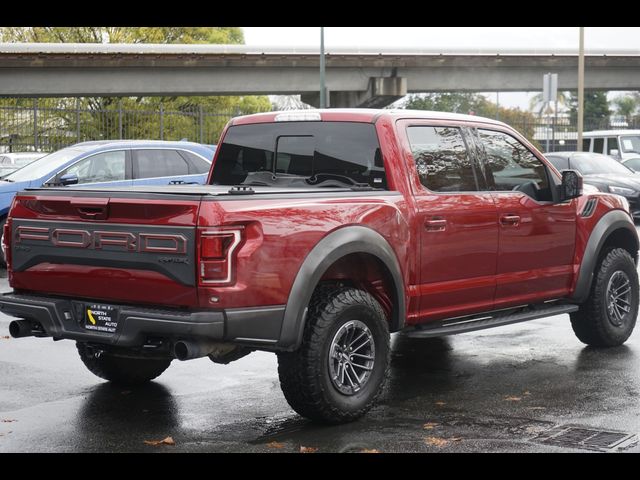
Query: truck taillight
[217, 248]
[6, 242]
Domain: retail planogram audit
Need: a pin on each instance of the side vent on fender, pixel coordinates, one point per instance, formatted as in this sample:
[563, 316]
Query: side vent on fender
[589, 208]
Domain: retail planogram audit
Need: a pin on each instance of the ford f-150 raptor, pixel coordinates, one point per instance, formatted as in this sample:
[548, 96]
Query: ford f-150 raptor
[319, 233]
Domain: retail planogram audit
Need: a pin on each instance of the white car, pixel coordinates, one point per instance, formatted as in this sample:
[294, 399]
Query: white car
[618, 144]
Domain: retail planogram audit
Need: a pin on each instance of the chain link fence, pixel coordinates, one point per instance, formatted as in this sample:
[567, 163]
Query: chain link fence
[48, 129]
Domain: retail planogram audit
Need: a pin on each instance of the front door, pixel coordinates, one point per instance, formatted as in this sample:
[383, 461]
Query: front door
[457, 222]
[537, 236]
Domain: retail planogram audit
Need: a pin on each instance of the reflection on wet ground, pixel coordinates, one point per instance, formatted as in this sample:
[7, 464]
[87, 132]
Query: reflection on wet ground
[486, 391]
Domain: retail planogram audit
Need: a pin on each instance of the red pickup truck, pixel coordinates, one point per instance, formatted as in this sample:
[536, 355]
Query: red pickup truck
[318, 234]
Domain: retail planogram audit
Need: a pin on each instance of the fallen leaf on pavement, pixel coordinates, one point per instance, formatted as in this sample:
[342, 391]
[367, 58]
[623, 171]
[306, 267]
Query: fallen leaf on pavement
[308, 449]
[275, 445]
[527, 392]
[430, 425]
[7, 420]
[5, 337]
[455, 439]
[512, 399]
[367, 450]
[440, 404]
[436, 441]
[164, 441]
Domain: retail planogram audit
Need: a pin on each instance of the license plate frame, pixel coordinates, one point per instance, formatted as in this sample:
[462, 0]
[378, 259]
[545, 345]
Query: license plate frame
[100, 318]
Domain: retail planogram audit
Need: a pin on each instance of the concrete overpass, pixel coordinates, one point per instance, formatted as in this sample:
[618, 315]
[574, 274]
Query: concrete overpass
[370, 77]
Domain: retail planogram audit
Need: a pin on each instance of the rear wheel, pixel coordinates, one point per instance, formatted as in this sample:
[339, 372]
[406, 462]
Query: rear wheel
[339, 370]
[609, 315]
[121, 370]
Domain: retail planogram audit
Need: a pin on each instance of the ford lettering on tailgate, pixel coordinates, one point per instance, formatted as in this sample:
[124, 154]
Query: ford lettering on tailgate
[161, 249]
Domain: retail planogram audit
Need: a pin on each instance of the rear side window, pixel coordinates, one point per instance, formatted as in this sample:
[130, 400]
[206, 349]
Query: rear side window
[442, 160]
[196, 164]
[598, 145]
[311, 153]
[159, 163]
[586, 144]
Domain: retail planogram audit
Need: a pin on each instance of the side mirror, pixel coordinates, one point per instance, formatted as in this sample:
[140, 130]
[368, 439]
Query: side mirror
[68, 179]
[614, 153]
[571, 186]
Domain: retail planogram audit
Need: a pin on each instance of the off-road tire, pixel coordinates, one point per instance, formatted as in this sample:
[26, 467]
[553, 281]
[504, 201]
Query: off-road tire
[305, 374]
[591, 323]
[121, 370]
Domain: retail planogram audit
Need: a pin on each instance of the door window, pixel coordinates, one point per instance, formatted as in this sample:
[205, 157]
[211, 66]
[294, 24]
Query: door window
[510, 166]
[160, 163]
[598, 145]
[102, 167]
[442, 160]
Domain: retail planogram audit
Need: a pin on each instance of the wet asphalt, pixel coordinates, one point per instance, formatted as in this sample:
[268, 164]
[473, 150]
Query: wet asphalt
[499, 390]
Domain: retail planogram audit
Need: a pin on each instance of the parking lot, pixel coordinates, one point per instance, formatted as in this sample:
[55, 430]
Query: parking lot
[499, 390]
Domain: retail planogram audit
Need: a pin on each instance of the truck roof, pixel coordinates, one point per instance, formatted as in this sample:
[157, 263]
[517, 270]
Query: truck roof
[366, 115]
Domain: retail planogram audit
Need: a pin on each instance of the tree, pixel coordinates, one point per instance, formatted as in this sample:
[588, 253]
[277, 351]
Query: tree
[537, 105]
[475, 104]
[626, 106]
[456, 102]
[122, 34]
[596, 109]
[98, 112]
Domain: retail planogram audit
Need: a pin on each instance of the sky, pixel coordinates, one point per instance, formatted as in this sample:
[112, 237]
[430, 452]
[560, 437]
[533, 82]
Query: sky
[450, 37]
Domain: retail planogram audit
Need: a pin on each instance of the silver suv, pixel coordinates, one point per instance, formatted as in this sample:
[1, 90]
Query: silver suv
[618, 144]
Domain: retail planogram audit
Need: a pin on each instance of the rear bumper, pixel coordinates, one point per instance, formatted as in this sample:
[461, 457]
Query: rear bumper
[137, 326]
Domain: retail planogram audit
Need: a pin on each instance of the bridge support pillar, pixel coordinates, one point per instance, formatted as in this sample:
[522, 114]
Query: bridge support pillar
[382, 91]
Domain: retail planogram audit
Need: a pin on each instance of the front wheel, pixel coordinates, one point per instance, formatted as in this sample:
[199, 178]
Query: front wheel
[609, 315]
[340, 369]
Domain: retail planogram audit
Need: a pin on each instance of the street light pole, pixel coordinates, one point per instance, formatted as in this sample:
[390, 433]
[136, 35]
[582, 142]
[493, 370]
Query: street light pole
[580, 89]
[323, 92]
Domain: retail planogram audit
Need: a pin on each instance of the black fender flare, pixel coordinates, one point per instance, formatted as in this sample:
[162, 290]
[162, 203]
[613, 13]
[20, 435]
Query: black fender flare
[342, 242]
[608, 223]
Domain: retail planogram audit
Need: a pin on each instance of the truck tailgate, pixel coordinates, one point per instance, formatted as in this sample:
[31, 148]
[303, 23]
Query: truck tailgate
[119, 247]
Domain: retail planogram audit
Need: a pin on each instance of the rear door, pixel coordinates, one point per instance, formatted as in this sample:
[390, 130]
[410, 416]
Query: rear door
[537, 236]
[156, 166]
[456, 222]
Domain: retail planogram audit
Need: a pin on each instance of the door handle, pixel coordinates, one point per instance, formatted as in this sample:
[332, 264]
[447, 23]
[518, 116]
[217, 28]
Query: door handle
[436, 225]
[510, 220]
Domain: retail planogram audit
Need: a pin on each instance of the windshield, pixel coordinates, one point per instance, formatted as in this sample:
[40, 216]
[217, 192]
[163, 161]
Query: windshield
[301, 154]
[630, 143]
[45, 165]
[597, 165]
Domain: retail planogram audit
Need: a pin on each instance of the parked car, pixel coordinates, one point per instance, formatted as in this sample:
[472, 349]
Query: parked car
[320, 233]
[603, 173]
[121, 163]
[10, 162]
[633, 163]
[618, 144]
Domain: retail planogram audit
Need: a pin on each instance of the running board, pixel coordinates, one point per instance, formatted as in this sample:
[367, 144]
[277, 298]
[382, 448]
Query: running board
[489, 320]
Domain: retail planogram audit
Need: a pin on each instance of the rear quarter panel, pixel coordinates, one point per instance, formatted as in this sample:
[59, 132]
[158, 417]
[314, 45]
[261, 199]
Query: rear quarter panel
[279, 233]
